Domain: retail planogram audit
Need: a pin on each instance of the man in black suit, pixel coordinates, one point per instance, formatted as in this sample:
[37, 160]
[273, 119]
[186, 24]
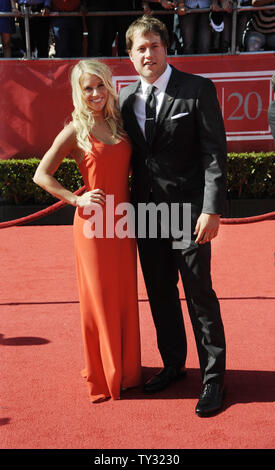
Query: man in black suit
[179, 156]
[271, 110]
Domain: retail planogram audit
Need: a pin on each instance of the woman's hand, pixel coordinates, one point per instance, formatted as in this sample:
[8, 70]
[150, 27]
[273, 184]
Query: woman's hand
[14, 8]
[215, 6]
[168, 5]
[96, 196]
[226, 5]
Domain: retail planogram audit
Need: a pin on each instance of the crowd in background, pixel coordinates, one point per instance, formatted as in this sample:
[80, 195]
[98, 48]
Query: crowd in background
[195, 33]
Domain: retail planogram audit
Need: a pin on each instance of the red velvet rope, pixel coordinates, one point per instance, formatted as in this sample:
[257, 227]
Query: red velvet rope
[60, 204]
[39, 214]
[249, 220]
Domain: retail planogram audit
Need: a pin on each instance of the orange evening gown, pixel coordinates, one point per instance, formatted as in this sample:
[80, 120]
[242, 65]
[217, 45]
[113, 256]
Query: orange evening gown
[107, 280]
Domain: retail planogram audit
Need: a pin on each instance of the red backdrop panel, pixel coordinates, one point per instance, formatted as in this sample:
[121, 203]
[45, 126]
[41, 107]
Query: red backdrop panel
[35, 100]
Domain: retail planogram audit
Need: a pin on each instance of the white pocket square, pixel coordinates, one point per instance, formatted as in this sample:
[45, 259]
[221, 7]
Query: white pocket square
[179, 115]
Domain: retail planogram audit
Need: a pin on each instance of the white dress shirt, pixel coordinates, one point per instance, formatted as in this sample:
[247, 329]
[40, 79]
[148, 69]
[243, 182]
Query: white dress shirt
[141, 96]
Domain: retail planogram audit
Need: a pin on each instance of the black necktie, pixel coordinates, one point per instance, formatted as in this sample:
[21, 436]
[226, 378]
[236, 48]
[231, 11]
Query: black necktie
[150, 108]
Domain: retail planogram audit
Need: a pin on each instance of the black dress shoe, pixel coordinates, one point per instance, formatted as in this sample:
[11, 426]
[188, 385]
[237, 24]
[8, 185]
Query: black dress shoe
[164, 378]
[211, 400]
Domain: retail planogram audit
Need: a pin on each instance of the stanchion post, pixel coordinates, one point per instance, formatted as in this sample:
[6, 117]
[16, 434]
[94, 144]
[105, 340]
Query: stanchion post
[26, 11]
[234, 26]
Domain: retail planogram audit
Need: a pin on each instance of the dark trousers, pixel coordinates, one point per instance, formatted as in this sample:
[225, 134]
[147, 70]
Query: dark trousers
[161, 265]
[68, 34]
[100, 29]
[39, 33]
[100, 36]
[196, 33]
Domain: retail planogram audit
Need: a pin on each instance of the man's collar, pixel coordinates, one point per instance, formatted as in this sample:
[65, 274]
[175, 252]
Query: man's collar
[160, 83]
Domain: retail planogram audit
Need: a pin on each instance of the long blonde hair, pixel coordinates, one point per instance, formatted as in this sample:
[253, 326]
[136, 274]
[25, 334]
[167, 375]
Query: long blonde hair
[83, 119]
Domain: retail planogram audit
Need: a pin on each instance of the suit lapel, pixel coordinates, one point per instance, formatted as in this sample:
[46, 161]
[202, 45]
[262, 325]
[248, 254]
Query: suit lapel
[169, 97]
[132, 123]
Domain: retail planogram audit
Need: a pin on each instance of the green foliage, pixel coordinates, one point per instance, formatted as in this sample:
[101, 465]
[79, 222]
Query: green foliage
[249, 175]
[17, 186]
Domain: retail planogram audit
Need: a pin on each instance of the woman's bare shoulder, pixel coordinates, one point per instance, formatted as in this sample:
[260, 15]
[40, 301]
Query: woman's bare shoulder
[68, 133]
[69, 136]
[66, 139]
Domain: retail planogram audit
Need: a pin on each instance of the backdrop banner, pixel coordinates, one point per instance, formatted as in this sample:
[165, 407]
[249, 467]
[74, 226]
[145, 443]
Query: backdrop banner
[35, 99]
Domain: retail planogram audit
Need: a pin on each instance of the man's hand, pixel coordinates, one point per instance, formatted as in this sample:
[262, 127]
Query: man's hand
[182, 9]
[207, 227]
[45, 11]
[146, 8]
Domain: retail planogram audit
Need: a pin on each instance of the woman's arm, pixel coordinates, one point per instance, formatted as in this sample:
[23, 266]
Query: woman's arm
[63, 145]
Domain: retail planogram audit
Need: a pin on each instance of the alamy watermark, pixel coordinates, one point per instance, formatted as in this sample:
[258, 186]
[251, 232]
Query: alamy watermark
[146, 220]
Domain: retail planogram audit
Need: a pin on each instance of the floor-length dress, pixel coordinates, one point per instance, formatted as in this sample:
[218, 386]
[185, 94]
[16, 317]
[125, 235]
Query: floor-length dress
[107, 279]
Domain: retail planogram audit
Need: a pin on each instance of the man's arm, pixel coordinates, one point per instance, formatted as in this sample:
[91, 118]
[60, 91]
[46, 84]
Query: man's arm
[213, 148]
[271, 118]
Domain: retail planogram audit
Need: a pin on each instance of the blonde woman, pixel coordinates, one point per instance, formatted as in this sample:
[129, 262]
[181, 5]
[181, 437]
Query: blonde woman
[106, 265]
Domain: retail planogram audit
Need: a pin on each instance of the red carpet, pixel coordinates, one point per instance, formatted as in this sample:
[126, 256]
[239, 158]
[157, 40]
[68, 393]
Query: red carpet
[43, 399]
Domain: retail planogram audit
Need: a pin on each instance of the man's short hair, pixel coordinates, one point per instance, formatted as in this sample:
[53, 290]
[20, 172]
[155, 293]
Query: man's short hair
[147, 24]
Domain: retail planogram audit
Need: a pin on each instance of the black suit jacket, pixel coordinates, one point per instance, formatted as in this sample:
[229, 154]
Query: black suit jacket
[187, 159]
[271, 118]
